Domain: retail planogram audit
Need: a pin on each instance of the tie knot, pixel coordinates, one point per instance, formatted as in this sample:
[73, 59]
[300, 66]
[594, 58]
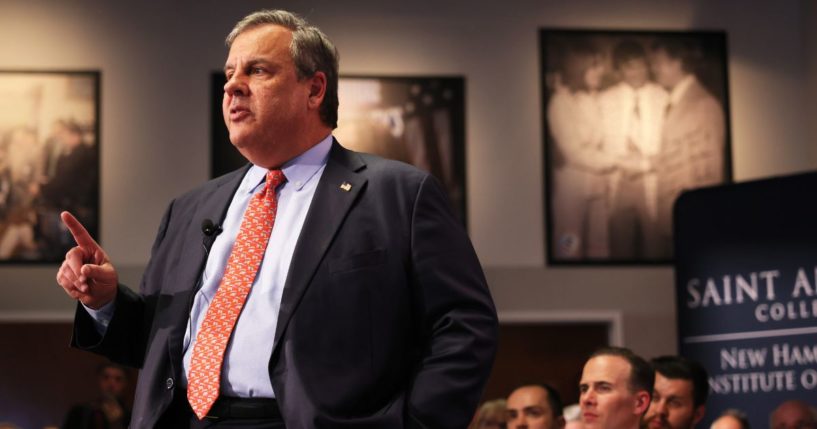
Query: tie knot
[275, 178]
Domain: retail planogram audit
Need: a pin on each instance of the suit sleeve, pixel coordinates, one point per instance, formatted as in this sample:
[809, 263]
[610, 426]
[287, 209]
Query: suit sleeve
[125, 340]
[459, 323]
[707, 155]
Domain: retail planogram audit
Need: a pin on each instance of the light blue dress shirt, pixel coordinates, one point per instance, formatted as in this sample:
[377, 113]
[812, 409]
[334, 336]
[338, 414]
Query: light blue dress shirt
[245, 371]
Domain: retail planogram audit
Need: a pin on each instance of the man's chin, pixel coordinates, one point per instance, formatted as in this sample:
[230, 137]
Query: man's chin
[239, 140]
[242, 141]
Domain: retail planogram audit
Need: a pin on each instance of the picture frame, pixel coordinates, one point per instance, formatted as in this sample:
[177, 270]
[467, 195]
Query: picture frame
[49, 161]
[419, 120]
[631, 119]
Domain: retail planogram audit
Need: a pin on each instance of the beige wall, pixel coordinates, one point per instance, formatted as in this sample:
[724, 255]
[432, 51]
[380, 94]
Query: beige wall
[155, 59]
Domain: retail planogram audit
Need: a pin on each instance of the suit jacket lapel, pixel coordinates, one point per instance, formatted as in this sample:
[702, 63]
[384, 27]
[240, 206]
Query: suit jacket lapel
[336, 193]
[213, 205]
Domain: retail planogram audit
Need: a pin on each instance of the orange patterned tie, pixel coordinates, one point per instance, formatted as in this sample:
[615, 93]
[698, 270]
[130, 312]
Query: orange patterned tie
[242, 266]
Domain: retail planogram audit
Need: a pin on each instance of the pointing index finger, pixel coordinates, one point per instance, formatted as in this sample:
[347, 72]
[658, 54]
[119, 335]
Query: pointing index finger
[81, 235]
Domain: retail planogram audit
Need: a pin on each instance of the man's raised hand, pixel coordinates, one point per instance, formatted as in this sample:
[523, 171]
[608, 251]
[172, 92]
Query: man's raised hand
[86, 274]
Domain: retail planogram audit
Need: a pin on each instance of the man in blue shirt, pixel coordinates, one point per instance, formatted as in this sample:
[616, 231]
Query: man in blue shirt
[369, 308]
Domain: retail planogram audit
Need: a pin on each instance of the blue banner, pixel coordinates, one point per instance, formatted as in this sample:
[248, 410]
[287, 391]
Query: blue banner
[746, 290]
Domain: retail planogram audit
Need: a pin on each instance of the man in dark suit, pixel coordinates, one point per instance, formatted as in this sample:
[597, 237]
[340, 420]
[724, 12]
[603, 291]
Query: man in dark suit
[693, 137]
[368, 308]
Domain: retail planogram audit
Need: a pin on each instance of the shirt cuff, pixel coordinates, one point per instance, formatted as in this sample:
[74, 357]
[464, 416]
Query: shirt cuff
[102, 316]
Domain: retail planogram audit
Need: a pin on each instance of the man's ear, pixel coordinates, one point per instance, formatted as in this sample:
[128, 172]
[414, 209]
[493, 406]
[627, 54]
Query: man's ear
[700, 410]
[317, 89]
[642, 402]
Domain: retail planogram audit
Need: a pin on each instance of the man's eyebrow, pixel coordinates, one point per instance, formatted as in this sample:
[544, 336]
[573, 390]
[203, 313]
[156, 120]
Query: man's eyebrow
[595, 383]
[248, 64]
[258, 61]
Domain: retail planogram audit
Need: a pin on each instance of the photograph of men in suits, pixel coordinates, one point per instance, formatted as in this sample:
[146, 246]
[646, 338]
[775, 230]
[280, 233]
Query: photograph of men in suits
[693, 137]
[364, 305]
[658, 127]
[633, 112]
[49, 156]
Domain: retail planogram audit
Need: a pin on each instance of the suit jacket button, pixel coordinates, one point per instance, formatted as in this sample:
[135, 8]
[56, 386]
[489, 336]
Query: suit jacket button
[169, 383]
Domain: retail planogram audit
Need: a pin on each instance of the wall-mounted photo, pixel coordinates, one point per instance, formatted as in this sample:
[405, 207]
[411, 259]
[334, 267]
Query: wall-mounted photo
[49, 161]
[417, 120]
[631, 119]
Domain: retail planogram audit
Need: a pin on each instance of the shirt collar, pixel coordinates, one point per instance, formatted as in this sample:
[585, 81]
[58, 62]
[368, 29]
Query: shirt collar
[628, 89]
[298, 171]
[680, 88]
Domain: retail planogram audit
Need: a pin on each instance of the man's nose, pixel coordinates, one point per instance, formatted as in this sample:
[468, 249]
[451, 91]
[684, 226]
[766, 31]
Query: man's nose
[236, 85]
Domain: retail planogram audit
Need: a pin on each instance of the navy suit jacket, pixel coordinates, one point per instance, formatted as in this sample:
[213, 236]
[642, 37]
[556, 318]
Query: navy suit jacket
[386, 320]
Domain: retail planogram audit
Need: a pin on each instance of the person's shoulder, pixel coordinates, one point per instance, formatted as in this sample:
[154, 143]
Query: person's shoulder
[561, 95]
[655, 89]
[613, 96]
[703, 99]
[388, 167]
[615, 90]
[561, 101]
[377, 167]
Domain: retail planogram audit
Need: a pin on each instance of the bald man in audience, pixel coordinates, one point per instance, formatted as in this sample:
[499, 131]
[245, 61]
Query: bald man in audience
[615, 389]
[536, 406]
[731, 419]
[679, 395]
[793, 414]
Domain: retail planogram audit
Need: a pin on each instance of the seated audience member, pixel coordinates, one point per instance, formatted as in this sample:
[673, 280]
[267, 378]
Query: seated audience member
[573, 417]
[535, 406]
[491, 415]
[615, 389]
[731, 419]
[108, 411]
[793, 414]
[679, 395]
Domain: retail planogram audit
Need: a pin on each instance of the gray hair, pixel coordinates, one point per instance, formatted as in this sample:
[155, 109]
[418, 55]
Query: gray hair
[572, 413]
[311, 52]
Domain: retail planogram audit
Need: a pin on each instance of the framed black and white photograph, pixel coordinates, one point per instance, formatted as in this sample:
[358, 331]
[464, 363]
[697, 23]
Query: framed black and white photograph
[49, 161]
[419, 120]
[631, 120]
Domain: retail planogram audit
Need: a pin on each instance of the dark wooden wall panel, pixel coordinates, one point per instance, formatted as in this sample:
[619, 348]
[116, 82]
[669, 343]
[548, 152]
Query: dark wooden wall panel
[552, 353]
[41, 377]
